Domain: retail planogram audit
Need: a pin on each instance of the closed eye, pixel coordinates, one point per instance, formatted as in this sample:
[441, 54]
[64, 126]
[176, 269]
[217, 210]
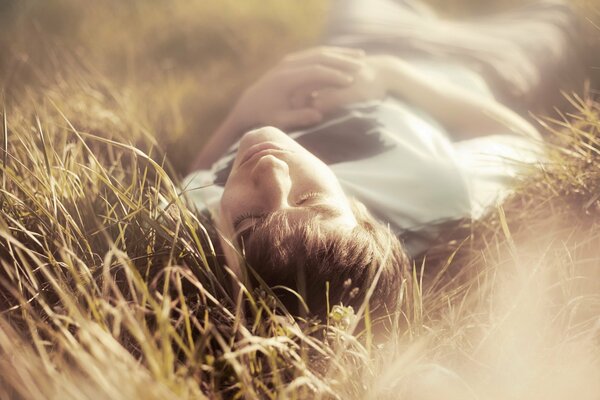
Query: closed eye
[246, 217]
[245, 222]
[245, 225]
[308, 196]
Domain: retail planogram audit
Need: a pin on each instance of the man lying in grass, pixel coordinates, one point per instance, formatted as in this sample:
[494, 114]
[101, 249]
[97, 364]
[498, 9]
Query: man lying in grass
[403, 123]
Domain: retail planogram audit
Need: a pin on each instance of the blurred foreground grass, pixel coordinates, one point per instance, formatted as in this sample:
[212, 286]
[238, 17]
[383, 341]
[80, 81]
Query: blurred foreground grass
[106, 295]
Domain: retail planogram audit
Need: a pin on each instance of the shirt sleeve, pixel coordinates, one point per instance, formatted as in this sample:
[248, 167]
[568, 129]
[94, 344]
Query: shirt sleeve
[200, 191]
[493, 163]
[415, 183]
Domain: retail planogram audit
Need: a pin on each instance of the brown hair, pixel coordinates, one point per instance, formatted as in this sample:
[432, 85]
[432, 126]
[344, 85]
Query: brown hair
[303, 257]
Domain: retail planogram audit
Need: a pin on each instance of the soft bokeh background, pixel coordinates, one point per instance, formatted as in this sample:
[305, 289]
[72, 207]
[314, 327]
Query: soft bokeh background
[171, 69]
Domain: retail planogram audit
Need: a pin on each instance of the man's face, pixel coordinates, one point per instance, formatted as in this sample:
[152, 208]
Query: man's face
[272, 172]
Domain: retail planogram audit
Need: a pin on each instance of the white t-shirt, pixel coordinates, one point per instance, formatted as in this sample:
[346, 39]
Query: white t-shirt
[402, 165]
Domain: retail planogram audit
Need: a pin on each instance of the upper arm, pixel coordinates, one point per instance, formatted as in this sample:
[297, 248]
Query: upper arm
[463, 111]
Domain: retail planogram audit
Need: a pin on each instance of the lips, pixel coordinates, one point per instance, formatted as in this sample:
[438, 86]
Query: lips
[262, 149]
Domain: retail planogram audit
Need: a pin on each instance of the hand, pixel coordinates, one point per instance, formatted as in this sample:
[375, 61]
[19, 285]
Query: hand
[369, 84]
[274, 98]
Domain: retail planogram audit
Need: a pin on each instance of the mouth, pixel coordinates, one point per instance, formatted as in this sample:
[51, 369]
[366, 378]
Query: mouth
[260, 150]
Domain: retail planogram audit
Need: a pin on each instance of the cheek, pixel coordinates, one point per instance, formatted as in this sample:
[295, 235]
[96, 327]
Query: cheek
[229, 207]
[239, 196]
[229, 202]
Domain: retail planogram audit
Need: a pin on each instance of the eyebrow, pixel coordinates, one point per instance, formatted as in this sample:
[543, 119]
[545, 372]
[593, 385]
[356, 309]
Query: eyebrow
[320, 209]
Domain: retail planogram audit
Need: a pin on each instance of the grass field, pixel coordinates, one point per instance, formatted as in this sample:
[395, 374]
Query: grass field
[104, 294]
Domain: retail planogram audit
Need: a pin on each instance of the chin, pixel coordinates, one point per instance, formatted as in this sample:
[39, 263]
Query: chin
[267, 133]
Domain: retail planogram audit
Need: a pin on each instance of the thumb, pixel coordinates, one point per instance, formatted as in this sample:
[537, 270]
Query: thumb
[298, 118]
[317, 76]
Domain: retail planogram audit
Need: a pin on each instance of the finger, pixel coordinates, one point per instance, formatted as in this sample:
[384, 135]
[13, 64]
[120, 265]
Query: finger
[350, 51]
[347, 51]
[303, 96]
[298, 118]
[299, 99]
[342, 61]
[315, 75]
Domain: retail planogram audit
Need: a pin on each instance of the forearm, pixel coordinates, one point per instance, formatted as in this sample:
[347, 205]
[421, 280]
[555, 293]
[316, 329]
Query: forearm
[463, 112]
[225, 135]
[268, 100]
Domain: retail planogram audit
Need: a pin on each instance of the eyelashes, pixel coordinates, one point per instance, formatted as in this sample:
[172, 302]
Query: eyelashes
[244, 216]
[307, 196]
[251, 215]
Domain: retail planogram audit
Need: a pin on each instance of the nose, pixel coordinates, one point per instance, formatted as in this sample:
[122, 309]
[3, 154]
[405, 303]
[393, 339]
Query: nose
[271, 177]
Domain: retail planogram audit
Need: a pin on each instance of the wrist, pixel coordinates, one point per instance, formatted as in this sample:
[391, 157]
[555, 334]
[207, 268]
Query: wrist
[245, 115]
[383, 66]
[225, 135]
[392, 73]
[233, 126]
